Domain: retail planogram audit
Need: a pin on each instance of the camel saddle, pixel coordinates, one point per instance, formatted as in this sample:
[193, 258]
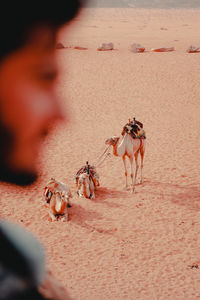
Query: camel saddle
[86, 169]
[135, 129]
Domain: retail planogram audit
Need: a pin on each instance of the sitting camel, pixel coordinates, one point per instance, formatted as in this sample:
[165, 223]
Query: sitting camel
[132, 143]
[86, 180]
[58, 195]
[92, 171]
[86, 186]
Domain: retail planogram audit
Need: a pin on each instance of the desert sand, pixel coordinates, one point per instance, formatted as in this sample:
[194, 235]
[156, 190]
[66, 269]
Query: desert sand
[121, 245]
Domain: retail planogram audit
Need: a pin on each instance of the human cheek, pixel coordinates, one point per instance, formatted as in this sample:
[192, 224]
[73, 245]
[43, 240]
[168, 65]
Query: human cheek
[40, 107]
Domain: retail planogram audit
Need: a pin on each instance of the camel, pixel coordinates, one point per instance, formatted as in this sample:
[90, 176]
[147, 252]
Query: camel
[86, 186]
[130, 147]
[92, 171]
[86, 180]
[58, 207]
[58, 195]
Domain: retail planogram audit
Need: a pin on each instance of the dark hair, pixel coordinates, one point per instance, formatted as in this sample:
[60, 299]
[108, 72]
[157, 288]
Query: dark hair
[19, 18]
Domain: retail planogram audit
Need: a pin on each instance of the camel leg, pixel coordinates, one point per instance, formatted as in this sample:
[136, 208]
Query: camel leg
[137, 166]
[125, 168]
[142, 157]
[52, 216]
[69, 204]
[65, 217]
[133, 184]
[92, 189]
[92, 196]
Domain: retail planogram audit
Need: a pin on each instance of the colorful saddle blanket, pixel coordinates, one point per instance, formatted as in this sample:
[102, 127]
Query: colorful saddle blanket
[91, 171]
[135, 129]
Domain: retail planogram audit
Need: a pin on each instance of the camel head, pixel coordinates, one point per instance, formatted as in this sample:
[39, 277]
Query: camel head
[50, 183]
[112, 141]
[84, 177]
[83, 185]
[59, 202]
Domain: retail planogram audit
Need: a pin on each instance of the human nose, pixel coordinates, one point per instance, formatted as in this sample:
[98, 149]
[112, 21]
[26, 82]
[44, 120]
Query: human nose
[51, 108]
[56, 112]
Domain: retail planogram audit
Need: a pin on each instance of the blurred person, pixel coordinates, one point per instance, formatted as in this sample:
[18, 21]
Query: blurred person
[28, 70]
[28, 109]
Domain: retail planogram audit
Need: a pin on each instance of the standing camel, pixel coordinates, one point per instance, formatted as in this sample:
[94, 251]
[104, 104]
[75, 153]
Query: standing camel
[130, 147]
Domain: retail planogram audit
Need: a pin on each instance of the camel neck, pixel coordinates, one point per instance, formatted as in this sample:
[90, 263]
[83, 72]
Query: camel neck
[119, 148]
[115, 149]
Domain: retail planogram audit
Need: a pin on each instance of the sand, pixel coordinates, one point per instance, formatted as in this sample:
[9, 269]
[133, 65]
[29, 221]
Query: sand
[121, 245]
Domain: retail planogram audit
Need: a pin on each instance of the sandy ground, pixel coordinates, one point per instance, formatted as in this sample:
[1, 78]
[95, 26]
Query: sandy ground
[122, 245]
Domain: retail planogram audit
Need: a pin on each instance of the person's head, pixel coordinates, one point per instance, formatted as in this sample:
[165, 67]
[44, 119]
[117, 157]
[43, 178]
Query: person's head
[28, 104]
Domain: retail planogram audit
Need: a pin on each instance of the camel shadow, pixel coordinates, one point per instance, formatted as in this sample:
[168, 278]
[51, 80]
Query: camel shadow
[78, 215]
[104, 194]
[89, 220]
[184, 195]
